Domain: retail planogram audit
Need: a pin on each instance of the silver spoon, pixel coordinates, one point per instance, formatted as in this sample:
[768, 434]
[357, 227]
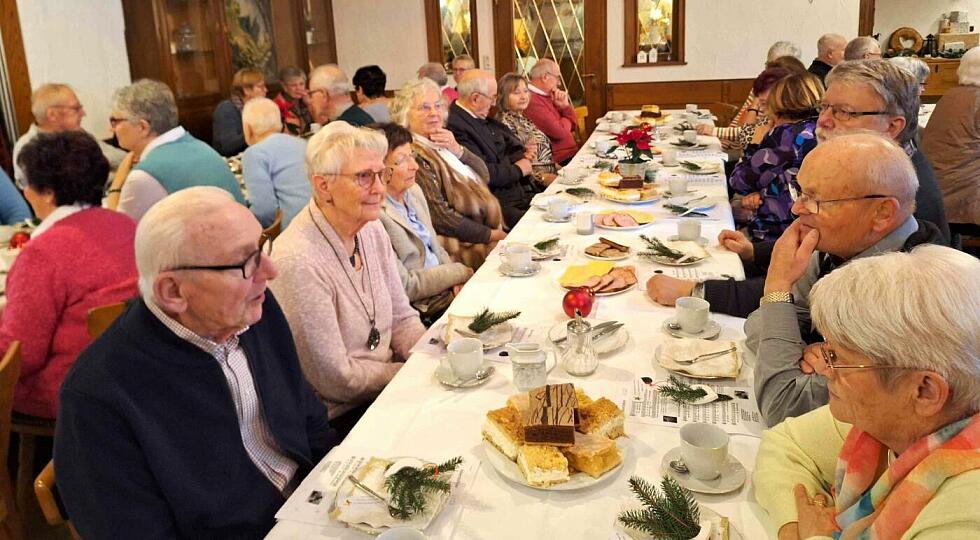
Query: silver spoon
[679, 466]
[480, 374]
[371, 492]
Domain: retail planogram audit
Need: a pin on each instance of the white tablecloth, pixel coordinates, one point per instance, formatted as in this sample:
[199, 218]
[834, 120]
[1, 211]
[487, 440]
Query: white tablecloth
[417, 416]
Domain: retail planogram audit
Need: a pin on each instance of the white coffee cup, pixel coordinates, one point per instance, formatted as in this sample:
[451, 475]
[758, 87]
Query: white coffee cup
[517, 256]
[558, 208]
[401, 533]
[678, 186]
[602, 146]
[688, 229]
[619, 116]
[690, 136]
[707, 122]
[669, 157]
[704, 449]
[691, 313]
[691, 107]
[465, 357]
[691, 117]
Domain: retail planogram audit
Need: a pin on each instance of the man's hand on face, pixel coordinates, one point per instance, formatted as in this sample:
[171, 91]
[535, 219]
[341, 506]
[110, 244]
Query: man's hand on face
[560, 98]
[790, 258]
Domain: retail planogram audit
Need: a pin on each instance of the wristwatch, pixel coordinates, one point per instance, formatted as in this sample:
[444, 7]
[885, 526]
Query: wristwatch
[698, 290]
[775, 297]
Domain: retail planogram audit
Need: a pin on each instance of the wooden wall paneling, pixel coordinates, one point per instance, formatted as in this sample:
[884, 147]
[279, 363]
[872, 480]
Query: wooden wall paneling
[866, 17]
[503, 40]
[433, 31]
[676, 94]
[20, 80]
[289, 35]
[595, 69]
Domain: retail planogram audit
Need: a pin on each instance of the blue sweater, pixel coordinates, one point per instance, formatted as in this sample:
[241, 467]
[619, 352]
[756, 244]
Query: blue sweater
[189, 162]
[148, 442]
[275, 176]
[13, 208]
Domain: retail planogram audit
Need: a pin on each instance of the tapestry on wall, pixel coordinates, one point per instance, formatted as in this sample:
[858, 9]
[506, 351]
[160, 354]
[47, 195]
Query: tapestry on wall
[250, 36]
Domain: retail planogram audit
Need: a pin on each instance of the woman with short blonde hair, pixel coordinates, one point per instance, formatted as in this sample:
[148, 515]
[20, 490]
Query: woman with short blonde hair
[227, 135]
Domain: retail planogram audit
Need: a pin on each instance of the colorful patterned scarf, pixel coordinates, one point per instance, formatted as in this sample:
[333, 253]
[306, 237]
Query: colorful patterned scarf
[885, 508]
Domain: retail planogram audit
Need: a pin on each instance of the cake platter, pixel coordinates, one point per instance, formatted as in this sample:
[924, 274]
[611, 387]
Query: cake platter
[579, 480]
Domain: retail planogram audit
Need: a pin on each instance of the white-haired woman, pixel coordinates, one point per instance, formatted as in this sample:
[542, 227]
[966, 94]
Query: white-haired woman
[338, 278]
[466, 216]
[896, 454]
[272, 166]
[915, 66]
[951, 140]
[164, 157]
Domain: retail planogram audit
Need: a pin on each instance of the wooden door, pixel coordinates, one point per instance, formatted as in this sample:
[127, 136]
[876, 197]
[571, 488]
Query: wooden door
[573, 33]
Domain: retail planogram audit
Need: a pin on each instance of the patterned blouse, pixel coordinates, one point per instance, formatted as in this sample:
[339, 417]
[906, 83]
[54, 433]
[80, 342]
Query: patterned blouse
[526, 131]
[767, 169]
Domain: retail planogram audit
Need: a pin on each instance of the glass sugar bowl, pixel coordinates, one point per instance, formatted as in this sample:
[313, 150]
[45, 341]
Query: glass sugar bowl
[579, 358]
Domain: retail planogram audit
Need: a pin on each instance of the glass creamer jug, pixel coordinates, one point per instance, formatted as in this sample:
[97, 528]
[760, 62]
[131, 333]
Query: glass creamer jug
[579, 358]
[528, 362]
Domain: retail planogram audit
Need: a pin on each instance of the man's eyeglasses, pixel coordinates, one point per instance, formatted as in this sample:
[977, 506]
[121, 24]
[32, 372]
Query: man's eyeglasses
[843, 115]
[365, 179]
[248, 267]
[76, 108]
[830, 358]
[491, 98]
[318, 90]
[115, 121]
[812, 205]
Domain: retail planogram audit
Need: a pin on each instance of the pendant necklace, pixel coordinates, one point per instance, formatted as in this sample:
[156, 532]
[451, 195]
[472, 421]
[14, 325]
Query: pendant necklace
[374, 336]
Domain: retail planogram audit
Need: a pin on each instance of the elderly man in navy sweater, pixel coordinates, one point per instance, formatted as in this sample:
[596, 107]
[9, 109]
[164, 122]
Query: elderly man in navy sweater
[190, 416]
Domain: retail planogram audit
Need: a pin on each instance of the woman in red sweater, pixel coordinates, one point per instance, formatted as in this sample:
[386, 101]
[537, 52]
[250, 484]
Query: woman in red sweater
[80, 257]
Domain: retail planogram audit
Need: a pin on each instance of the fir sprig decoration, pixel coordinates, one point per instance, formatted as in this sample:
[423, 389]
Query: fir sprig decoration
[659, 249]
[488, 319]
[678, 209]
[545, 246]
[680, 391]
[691, 166]
[581, 192]
[670, 515]
[408, 488]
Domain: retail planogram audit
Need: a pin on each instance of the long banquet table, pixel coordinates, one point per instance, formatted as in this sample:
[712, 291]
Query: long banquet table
[417, 416]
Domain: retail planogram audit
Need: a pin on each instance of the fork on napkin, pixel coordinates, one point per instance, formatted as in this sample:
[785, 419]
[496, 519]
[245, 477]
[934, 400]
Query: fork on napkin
[675, 354]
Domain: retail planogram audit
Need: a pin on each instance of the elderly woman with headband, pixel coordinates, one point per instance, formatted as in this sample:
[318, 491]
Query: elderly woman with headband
[951, 140]
[227, 136]
[338, 281]
[465, 214]
[896, 453]
[513, 97]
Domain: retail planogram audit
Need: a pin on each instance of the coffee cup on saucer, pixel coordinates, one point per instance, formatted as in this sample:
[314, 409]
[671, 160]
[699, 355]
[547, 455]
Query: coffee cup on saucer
[669, 157]
[559, 209]
[401, 533]
[689, 229]
[704, 449]
[678, 186]
[603, 146]
[517, 257]
[692, 314]
[465, 357]
[691, 136]
[691, 107]
[618, 116]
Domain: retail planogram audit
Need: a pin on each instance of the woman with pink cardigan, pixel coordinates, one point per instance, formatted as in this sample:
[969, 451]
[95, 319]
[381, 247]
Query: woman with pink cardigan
[80, 257]
[338, 281]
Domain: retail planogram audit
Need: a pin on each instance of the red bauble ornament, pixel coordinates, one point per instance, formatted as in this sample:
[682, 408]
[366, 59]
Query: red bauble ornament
[581, 299]
[18, 240]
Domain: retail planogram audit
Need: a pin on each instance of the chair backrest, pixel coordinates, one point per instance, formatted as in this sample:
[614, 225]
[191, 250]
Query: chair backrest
[10, 522]
[101, 318]
[272, 231]
[581, 113]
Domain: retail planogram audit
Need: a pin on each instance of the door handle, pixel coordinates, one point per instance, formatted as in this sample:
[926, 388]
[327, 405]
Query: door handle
[590, 76]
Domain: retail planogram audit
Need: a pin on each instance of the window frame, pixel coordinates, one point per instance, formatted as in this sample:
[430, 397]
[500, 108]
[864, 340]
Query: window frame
[631, 36]
[433, 33]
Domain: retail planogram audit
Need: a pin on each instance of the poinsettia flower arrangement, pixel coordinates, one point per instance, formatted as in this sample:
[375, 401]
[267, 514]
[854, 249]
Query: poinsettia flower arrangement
[636, 141]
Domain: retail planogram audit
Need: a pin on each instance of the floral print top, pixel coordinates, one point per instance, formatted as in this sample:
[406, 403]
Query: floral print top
[767, 169]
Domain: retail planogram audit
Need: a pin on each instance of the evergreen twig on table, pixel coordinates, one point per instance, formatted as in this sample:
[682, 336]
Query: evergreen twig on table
[670, 515]
[691, 166]
[678, 209]
[408, 488]
[488, 319]
[659, 249]
[581, 192]
[680, 391]
[546, 245]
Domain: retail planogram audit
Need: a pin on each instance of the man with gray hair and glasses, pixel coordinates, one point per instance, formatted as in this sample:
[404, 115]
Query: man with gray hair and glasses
[190, 416]
[330, 99]
[830, 52]
[862, 48]
[166, 158]
[854, 196]
[56, 108]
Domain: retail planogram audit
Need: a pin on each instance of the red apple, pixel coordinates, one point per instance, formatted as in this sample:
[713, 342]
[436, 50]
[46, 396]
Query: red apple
[18, 240]
[579, 299]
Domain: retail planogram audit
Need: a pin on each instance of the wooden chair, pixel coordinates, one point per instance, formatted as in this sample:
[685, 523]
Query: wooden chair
[101, 318]
[11, 521]
[581, 113]
[50, 502]
[272, 231]
[724, 111]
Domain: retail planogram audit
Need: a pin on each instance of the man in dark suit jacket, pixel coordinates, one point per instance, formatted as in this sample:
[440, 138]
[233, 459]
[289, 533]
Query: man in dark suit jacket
[494, 142]
[830, 52]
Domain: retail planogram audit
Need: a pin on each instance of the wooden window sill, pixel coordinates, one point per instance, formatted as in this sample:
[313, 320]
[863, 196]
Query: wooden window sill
[655, 64]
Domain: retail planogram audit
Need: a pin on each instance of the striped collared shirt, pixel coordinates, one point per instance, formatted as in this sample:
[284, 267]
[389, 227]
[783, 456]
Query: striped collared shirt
[256, 437]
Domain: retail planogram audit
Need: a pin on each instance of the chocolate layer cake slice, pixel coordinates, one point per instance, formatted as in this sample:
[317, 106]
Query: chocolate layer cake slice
[551, 415]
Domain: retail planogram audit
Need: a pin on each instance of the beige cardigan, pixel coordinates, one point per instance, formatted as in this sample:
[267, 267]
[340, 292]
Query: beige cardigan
[420, 282]
[951, 141]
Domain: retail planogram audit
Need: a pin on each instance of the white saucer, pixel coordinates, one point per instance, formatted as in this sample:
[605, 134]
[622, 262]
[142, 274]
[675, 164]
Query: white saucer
[513, 272]
[711, 330]
[671, 194]
[550, 219]
[732, 475]
[448, 378]
[702, 241]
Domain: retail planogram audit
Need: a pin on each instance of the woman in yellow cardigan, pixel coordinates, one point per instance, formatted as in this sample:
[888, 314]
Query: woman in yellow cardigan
[896, 453]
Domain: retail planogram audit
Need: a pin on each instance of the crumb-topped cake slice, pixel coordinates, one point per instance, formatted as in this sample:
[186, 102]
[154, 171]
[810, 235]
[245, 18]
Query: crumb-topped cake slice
[504, 429]
[542, 465]
[602, 417]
